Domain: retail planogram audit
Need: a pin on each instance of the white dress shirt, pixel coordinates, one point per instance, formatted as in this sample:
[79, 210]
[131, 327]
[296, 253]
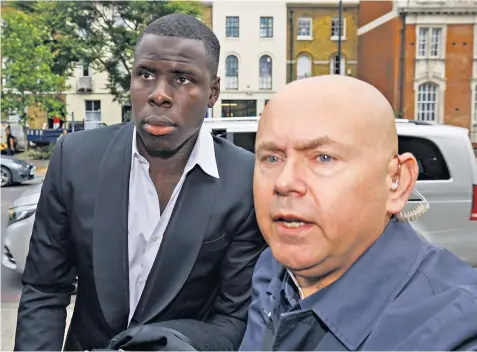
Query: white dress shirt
[146, 225]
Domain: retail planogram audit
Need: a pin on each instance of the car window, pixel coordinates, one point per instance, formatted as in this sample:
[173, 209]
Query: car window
[246, 140]
[431, 162]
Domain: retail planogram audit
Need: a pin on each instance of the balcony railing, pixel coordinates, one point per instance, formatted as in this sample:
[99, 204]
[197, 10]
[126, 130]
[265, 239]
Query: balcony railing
[85, 84]
[93, 116]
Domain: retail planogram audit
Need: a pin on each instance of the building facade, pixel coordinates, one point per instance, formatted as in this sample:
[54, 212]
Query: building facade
[428, 71]
[253, 54]
[89, 100]
[312, 38]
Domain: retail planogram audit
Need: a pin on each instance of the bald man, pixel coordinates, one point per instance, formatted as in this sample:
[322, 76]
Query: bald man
[341, 272]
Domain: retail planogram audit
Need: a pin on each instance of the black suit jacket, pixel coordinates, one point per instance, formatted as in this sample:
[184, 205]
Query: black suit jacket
[202, 271]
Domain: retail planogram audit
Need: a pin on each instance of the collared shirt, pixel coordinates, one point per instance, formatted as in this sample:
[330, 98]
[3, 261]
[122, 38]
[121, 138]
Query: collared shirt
[146, 224]
[401, 294]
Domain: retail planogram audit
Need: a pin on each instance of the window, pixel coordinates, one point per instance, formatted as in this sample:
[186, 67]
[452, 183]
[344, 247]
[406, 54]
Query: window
[265, 75]
[245, 140]
[303, 67]
[84, 70]
[335, 27]
[304, 28]
[92, 110]
[266, 27]
[429, 42]
[231, 72]
[427, 102]
[239, 108]
[232, 27]
[432, 165]
[337, 67]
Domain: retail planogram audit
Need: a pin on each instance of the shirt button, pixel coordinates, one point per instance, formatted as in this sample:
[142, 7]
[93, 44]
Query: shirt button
[154, 239]
[150, 191]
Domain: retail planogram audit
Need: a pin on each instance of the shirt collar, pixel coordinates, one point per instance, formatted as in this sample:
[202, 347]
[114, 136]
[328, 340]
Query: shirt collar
[203, 153]
[351, 305]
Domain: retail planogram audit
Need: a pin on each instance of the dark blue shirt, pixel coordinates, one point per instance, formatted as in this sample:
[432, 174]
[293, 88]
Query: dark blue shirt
[401, 294]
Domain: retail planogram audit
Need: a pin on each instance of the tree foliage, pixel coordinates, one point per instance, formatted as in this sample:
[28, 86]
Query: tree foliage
[27, 77]
[103, 33]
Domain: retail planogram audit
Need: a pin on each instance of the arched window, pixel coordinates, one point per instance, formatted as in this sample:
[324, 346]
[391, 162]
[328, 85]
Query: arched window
[303, 67]
[231, 72]
[337, 68]
[427, 96]
[265, 72]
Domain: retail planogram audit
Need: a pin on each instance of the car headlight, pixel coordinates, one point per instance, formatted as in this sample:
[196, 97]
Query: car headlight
[20, 213]
[17, 166]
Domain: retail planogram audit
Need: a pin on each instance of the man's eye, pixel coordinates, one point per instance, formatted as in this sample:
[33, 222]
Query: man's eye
[271, 159]
[182, 80]
[146, 75]
[325, 158]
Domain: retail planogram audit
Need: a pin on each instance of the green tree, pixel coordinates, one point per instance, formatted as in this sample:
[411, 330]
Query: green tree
[105, 33]
[27, 77]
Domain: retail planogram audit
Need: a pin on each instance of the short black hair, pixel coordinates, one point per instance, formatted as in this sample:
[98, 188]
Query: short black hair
[185, 26]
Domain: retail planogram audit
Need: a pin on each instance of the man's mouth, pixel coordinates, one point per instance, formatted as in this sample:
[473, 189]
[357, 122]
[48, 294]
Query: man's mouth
[159, 125]
[290, 221]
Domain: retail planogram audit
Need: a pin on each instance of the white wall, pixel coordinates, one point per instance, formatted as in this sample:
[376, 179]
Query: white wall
[75, 101]
[249, 47]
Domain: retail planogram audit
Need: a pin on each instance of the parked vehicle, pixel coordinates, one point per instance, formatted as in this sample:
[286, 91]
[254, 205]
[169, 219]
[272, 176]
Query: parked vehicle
[447, 179]
[21, 217]
[42, 137]
[14, 171]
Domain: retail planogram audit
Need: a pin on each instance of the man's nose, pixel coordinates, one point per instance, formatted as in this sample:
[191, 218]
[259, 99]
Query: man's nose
[290, 181]
[161, 95]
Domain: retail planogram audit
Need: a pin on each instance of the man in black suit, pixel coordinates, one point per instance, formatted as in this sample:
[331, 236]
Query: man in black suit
[155, 217]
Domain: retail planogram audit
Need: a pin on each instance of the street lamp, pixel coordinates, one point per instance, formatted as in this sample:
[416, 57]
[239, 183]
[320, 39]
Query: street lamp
[340, 25]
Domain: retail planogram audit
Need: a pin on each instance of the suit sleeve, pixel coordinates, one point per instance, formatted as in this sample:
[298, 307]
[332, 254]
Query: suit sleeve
[48, 278]
[225, 327]
[230, 310]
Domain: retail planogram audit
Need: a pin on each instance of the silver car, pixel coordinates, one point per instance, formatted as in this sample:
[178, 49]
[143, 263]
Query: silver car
[14, 170]
[21, 216]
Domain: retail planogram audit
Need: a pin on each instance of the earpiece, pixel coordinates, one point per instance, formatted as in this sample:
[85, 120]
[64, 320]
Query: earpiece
[395, 184]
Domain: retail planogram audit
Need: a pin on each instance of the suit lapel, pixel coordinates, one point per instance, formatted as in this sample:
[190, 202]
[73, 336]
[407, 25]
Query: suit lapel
[110, 230]
[181, 244]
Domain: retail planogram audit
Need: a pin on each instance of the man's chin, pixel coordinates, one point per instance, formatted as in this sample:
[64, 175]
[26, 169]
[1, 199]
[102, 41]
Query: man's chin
[295, 261]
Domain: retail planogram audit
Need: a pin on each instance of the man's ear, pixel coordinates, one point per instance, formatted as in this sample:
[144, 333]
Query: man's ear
[214, 92]
[402, 181]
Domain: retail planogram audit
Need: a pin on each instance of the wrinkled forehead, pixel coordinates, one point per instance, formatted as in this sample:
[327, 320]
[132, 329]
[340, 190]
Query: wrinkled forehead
[290, 126]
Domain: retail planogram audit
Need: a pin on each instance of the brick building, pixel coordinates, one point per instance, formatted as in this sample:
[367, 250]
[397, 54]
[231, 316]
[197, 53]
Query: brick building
[312, 38]
[422, 54]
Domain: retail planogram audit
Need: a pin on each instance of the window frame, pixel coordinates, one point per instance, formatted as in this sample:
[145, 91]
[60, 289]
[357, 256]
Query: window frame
[421, 103]
[428, 42]
[231, 27]
[343, 24]
[266, 29]
[310, 24]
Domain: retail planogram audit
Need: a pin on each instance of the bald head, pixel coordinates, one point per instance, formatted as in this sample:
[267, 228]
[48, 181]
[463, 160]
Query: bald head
[349, 104]
[325, 162]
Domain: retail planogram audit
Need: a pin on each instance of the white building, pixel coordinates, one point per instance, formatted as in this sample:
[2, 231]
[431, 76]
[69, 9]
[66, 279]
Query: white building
[252, 64]
[89, 100]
